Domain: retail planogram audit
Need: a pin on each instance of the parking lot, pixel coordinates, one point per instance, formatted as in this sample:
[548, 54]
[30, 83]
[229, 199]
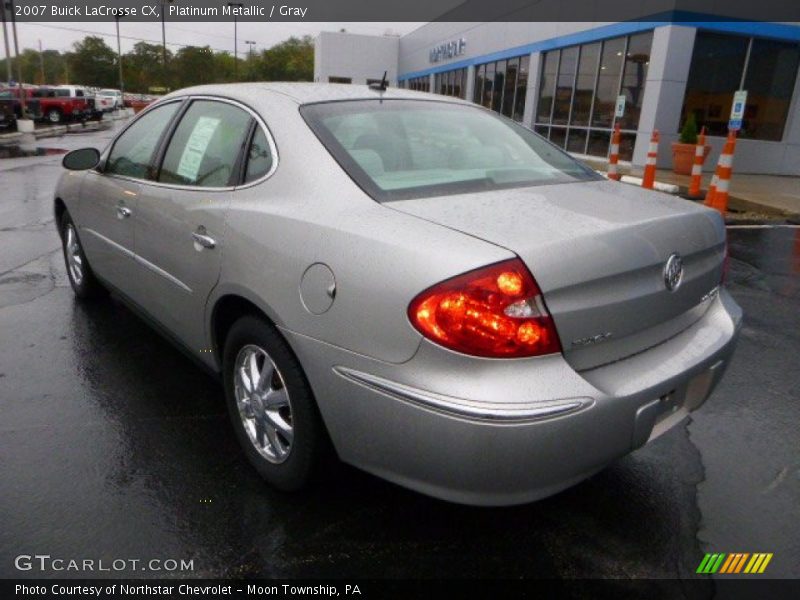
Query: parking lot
[113, 444]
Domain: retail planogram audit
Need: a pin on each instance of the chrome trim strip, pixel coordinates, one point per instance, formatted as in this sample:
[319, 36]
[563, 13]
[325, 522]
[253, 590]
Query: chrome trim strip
[504, 412]
[145, 263]
[159, 271]
[110, 242]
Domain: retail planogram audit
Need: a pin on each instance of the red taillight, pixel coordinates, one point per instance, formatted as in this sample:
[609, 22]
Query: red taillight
[496, 311]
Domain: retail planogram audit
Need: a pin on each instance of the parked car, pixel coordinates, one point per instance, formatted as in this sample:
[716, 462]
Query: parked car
[62, 103]
[441, 295]
[108, 99]
[11, 106]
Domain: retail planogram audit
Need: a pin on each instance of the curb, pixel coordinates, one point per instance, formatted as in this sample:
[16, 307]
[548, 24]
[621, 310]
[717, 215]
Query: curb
[16, 137]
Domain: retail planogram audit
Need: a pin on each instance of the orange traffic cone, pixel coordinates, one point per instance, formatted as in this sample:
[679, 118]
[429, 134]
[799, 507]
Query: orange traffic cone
[718, 198]
[650, 166]
[697, 167]
[613, 154]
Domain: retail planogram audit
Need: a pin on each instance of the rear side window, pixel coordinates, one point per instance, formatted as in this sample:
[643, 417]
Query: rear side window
[259, 157]
[133, 150]
[205, 148]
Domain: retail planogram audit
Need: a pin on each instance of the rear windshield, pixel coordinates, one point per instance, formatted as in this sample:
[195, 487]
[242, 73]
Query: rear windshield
[399, 149]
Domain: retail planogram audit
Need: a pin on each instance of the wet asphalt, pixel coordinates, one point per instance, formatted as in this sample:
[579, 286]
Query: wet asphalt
[114, 445]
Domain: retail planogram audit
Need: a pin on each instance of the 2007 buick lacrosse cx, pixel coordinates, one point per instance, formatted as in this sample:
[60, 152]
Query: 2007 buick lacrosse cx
[413, 283]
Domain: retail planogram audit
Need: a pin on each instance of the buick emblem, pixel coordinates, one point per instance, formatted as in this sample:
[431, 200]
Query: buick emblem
[673, 272]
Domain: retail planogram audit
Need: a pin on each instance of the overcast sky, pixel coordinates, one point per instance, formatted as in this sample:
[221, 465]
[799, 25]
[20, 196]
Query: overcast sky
[218, 35]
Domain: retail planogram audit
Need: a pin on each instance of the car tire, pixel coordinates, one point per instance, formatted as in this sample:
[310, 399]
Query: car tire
[54, 116]
[286, 457]
[80, 274]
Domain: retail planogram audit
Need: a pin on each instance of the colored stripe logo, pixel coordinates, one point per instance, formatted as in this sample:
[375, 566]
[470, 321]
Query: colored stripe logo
[734, 563]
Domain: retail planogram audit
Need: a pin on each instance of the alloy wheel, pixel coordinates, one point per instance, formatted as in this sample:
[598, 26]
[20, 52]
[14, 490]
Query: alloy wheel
[264, 404]
[74, 256]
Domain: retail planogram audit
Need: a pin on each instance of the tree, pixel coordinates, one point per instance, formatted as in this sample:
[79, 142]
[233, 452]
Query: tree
[143, 67]
[92, 62]
[292, 60]
[193, 65]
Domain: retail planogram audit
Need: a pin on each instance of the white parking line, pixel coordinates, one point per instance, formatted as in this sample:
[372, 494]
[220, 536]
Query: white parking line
[776, 226]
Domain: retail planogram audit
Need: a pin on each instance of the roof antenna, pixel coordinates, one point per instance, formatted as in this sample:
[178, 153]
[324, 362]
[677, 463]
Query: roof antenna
[380, 86]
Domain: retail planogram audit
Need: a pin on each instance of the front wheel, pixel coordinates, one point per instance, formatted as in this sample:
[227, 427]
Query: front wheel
[271, 405]
[54, 116]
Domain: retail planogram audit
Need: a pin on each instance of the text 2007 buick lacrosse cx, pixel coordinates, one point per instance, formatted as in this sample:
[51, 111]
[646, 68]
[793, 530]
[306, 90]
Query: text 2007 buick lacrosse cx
[431, 291]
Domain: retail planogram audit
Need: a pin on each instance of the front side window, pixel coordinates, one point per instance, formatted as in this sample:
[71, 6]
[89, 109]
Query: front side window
[204, 150]
[133, 151]
[401, 149]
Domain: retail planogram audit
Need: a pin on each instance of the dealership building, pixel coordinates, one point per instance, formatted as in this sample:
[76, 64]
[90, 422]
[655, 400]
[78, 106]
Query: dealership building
[567, 81]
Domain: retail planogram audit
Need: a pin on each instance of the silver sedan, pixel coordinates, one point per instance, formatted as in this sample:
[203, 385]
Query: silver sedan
[415, 284]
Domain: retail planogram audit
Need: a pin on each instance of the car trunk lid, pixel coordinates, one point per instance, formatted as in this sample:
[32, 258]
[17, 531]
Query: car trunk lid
[598, 252]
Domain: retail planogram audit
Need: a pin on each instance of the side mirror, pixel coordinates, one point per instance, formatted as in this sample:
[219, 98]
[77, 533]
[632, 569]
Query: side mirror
[80, 160]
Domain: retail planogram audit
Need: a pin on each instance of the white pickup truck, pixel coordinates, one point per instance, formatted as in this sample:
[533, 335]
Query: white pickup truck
[108, 100]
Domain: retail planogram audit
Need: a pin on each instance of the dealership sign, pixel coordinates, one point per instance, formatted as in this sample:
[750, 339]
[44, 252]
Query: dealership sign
[448, 50]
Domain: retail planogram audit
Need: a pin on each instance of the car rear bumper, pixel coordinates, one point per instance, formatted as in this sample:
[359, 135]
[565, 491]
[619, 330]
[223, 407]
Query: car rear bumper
[503, 432]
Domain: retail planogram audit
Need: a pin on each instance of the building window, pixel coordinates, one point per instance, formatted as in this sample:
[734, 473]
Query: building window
[578, 92]
[723, 64]
[340, 80]
[502, 86]
[420, 84]
[451, 83]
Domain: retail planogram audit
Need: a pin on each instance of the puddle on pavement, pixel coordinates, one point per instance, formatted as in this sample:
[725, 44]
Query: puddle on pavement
[21, 152]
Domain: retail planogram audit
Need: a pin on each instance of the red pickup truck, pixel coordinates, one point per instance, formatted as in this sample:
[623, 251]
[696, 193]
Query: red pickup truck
[11, 107]
[57, 104]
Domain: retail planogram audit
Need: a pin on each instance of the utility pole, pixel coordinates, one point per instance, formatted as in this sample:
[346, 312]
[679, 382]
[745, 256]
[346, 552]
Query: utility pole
[23, 103]
[41, 63]
[235, 41]
[119, 58]
[164, 40]
[9, 76]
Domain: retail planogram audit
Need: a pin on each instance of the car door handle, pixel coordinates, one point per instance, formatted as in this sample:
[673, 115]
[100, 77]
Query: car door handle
[123, 212]
[204, 240]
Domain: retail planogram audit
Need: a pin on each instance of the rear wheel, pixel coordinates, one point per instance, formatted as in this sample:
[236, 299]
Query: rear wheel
[271, 405]
[81, 277]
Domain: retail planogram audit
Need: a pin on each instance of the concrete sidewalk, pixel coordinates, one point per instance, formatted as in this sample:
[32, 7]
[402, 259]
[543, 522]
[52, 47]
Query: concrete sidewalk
[771, 194]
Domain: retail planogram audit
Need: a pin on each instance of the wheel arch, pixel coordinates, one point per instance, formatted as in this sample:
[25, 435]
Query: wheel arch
[59, 208]
[226, 308]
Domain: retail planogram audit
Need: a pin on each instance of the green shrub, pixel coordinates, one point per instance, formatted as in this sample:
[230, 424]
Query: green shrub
[689, 131]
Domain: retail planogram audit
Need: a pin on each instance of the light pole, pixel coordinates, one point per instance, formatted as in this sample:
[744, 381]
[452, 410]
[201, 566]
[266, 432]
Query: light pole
[250, 43]
[41, 62]
[119, 59]
[235, 41]
[9, 75]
